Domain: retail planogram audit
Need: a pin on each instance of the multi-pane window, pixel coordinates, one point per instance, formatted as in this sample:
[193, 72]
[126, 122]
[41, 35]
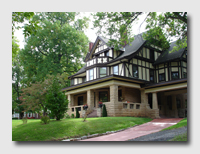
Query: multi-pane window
[174, 75]
[115, 70]
[91, 74]
[161, 77]
[151, 75]
[184, 74]
[102, 72]
[135, 71]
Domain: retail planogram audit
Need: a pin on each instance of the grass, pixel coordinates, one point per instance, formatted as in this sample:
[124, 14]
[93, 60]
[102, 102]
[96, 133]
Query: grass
[182, 123]
[69, 128]
[182, 137]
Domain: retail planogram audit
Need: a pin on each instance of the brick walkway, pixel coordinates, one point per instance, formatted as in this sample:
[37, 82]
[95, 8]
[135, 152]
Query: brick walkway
[151, 127]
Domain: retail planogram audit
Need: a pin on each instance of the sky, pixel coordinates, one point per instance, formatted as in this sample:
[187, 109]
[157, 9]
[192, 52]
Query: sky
[89, 32]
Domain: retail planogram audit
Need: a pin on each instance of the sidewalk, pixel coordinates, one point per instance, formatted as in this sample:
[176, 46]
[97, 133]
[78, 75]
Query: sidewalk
[151, 127]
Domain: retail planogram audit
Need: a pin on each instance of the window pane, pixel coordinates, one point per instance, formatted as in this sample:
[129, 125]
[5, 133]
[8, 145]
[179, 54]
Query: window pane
[91, 74]
[102, 71]
[161, 77]
[174, 75]
[135, 71]
[115, 70]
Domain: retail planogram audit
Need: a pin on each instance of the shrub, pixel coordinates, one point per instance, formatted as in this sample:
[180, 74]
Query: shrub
[104, 114]
[77, 113]
[72, 116]
[24, 120]
[15, 118]
[67, 116]
[45, 119]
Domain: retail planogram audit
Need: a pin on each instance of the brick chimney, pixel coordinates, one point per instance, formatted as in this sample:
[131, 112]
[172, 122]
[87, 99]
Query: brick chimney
[90, 46]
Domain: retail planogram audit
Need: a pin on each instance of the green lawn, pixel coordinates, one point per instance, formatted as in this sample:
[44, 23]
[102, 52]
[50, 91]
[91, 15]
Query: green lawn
[182, 123]
[182, 137]
[69, 128]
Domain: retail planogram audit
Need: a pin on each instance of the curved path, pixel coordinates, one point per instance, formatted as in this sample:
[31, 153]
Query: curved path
[153, 126]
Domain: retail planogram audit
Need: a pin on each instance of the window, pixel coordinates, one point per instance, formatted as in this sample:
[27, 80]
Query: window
[135, 71]
[162, 77]
[184, 75]
[84, 79]
[174, 75]
[102, 71]
[120, 95]
[72, 82]
[115, 70]
[151, 75]
[103, 96]
[151, 54]
[107, 53]
[91, 74]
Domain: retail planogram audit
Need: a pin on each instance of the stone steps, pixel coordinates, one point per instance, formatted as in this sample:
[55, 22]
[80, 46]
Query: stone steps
[92, 114]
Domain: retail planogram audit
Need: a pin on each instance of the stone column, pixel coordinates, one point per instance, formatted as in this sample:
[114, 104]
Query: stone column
[97, 98]
[174, 106]
[155, 101]
[144, 103]
[90, 99]
[155, 106]
[70, 98]
[113, 100]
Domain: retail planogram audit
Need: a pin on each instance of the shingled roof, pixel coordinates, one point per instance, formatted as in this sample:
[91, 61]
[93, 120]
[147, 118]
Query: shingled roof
[169, 56]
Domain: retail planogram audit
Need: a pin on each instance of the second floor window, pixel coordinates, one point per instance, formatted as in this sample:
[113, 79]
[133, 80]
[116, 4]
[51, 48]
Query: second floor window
[135, 71]
[174, 75]
[162, 77]
[151, 75]
[102, 71]
[91, 74]
[115, 70]
[72, 82]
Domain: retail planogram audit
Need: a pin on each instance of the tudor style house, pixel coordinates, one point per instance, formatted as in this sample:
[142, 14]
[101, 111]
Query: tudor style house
[137, 80]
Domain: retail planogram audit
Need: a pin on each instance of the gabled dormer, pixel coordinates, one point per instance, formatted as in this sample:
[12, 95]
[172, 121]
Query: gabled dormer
[101, 53]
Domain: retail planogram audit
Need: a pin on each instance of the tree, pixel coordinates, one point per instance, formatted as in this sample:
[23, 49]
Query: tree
[55, 48]
[17, 76]
[104, 114]
[56, 100]
[34, 97]
[118, 26]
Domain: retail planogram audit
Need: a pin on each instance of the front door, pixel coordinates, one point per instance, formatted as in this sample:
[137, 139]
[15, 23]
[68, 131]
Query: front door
[80, 100]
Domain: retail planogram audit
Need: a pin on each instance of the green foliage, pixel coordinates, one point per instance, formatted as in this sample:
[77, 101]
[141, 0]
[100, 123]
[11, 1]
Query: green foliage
[77, 113]
[116, 24]
[56, 100]
[72, 116]
[104, 112]
[55, 48]
[45, 119]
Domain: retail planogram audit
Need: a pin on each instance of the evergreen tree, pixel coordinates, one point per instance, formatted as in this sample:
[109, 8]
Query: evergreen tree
[77, 113]
[104, 114]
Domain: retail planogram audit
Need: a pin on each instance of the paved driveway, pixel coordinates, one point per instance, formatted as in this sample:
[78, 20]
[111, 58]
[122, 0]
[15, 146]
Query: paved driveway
[141, 130]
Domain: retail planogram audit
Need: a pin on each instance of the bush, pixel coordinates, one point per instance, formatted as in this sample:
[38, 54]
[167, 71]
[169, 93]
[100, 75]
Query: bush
[104, 114]
[15, 118]
[24, 120]
[72, 116]
[77, 113]
[45, 119]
